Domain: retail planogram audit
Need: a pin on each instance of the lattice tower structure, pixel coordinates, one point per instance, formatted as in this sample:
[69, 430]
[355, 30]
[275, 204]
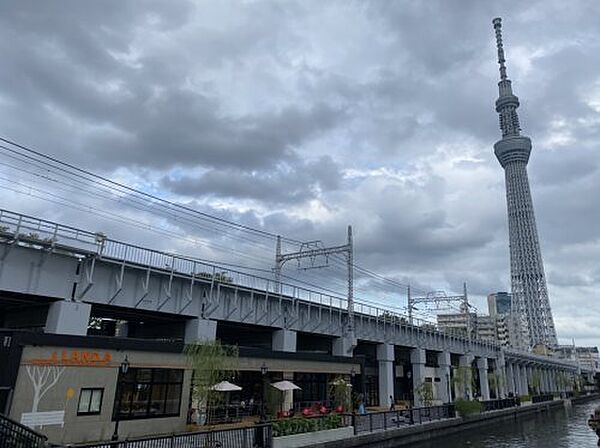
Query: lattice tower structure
[528, 281]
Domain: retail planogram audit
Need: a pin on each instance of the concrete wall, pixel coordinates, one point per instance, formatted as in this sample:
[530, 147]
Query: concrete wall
[64, 395]
[311, 438]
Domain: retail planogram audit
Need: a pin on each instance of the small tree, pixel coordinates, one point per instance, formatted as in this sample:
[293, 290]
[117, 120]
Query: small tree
[212, 363]
[561, 381]
[341, 392]
[425, 393]
[464, 380]
[497, 382]
[536, 381]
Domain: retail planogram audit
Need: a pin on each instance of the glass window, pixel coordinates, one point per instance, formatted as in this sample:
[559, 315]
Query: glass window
[146, 393]
[90, 401]
[173, 400]
[144, 375]
[141, 395]
[157, 404]
[175, 376]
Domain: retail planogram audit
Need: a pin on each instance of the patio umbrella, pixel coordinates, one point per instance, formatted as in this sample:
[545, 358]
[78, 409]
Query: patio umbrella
[285, 386]
[226, 386]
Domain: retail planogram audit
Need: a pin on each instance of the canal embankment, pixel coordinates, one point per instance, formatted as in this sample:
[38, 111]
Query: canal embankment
[403, 436]
[585, 398]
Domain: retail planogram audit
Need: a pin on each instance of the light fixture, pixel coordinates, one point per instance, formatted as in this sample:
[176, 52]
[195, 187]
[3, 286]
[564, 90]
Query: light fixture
[264, 369]
[125, 365]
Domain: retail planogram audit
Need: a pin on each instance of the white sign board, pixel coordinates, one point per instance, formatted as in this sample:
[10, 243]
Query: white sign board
[34, 419]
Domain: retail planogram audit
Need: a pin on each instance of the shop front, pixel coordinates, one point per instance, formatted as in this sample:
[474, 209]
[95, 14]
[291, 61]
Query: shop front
[75, 389]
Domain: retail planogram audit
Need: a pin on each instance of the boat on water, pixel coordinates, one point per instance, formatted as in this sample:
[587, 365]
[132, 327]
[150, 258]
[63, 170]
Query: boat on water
[594, 421]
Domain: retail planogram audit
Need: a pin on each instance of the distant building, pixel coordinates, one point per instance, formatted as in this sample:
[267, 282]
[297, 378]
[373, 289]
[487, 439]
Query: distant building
[486, 328]
[458, 323]
[587, 358]
[499, 303]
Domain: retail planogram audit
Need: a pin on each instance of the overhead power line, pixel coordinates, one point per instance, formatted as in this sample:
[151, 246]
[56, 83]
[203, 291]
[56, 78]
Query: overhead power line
[80, 180]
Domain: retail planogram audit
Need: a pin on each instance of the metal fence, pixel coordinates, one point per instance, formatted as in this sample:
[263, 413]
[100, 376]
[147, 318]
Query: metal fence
[503, 403]
[15, 435]
[259, 436]
[381, 421]
[542, 398]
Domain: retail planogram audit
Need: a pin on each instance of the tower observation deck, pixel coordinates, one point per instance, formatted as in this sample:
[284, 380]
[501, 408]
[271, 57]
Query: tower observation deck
[528, 281]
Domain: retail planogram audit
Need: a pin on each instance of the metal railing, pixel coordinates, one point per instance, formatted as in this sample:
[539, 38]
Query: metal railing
[381, 421]
[542, 398]
[259, 436]
[16, 435]
[315, 405]
[503, 403]
[302, 424]
[42, 234]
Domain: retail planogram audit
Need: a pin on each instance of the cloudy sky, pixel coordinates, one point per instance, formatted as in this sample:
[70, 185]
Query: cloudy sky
[300, 118]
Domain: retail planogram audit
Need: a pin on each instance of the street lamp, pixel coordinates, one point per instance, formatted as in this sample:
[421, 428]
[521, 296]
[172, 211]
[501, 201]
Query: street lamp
[263, 371]
[123, 368]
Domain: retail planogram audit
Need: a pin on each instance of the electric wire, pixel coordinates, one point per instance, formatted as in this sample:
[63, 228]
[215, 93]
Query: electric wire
[45, 162]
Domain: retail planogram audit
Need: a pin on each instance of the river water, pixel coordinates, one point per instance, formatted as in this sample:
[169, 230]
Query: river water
[560, 428]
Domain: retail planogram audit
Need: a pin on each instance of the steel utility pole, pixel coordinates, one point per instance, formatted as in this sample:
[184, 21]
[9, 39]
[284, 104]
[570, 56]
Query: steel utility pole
[312, 250]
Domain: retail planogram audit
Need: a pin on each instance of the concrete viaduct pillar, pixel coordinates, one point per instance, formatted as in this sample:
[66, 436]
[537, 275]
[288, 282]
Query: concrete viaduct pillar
[444, 363]
[66, 317]
[284, 341]
[543, 384]
[517, 378]
[529, 376]
[524, 380]
[199, 330]
[546, 380]
[553, 380]
[344, 346]
[501, 380]
[510, 379]
[466, 390]
[386, 357]
[484, 384]
[417, 359]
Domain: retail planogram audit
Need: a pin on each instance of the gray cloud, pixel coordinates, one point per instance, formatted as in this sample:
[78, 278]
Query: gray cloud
[289, 183]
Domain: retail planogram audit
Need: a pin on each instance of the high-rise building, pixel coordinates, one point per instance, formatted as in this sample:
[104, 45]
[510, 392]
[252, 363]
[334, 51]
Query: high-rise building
[528, 281]
[498, 303]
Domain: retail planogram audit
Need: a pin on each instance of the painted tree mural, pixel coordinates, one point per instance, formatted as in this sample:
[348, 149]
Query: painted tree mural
[43, 378]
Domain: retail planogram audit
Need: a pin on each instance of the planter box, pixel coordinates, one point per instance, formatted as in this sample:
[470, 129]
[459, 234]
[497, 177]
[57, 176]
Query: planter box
[310, 438]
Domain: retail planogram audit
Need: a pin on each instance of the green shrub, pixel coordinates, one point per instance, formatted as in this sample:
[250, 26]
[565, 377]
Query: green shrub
[467, 407]
[425, 393]
[525, 398]
[300, 425]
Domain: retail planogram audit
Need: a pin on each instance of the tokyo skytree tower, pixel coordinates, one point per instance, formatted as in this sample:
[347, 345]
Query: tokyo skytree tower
[528, 282]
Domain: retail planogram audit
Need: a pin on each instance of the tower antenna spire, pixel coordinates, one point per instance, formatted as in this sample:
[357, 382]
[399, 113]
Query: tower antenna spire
[498, 28]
